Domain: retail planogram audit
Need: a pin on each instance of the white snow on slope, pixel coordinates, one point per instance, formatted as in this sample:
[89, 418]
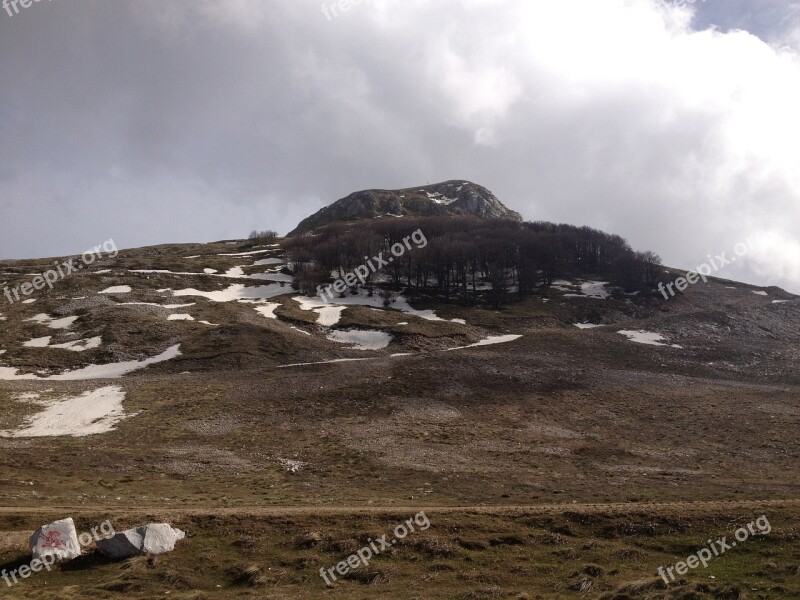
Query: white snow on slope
[180, 317]
[325, 362]
[167, 306]
[117, 289]
[362, 339]
[41, 342]
[268, 261]
[490, 341]
[52, 323]
[274, 246]
[440, 198]
[592, 289]
[108, 371]
[586, 325]
[329, 315]
[81, 345]
[375, 301]
[238, 292]
[761, 293]
[268, 310]
[91, 413]
[276, 277]
[236, 272]
[647, 337]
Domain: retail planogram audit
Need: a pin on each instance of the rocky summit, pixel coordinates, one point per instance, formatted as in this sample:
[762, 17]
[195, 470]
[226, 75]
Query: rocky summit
[451, 198]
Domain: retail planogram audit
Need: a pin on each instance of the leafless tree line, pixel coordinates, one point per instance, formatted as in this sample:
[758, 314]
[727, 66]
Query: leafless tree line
[464, 254]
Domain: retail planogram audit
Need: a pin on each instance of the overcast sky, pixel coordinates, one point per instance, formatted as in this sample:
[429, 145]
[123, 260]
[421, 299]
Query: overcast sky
[675, 125]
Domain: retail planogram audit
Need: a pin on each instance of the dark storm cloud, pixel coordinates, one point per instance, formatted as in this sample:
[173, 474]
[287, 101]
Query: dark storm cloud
[192, 120]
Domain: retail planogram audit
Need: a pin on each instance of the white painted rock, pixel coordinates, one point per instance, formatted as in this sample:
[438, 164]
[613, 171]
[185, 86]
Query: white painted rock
[155, 538]
[59, 540]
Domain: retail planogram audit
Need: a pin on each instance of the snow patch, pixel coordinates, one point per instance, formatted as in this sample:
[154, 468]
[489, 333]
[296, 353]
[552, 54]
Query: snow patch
[238, 292]
[592, 289]
[365, 339]
[491, 341]
[268, 310]
[647, 337]
[267, 261]
[325, 362]
[52, 323]
[167, 306]
[400, 303]
[117, 289]
[107, 371]
[81, 345]
[252, 253]
[329, 315]
[41, 342]
[91, 413]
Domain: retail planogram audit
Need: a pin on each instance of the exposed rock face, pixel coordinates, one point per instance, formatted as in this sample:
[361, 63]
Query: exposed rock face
[442, 199]
[58, 540]
[155, 538]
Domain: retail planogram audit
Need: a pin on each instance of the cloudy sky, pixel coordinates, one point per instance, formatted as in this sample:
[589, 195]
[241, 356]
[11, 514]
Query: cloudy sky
[673, 124]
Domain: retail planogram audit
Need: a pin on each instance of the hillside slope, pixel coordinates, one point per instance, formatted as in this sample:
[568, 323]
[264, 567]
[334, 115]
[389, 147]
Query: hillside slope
[277, 400]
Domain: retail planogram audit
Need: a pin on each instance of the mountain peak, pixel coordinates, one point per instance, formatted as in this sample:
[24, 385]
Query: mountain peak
[449, 198]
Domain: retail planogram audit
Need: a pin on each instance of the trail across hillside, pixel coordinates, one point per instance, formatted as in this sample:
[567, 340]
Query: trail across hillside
[709, 506]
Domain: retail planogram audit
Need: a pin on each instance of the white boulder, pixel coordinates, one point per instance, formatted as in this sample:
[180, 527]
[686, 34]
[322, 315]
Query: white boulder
[160, 538]
[123, 545]
[154, 539]
[58, 540]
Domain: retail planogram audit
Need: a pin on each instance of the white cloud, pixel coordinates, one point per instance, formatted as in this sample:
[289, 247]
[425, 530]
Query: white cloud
[612, 113]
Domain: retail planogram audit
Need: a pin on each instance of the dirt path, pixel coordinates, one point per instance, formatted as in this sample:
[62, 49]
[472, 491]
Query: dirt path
[272, 511]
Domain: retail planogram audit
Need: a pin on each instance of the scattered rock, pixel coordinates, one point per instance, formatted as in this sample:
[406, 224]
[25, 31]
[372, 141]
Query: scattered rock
[292, 466]
[153, 539]
[58, 539]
